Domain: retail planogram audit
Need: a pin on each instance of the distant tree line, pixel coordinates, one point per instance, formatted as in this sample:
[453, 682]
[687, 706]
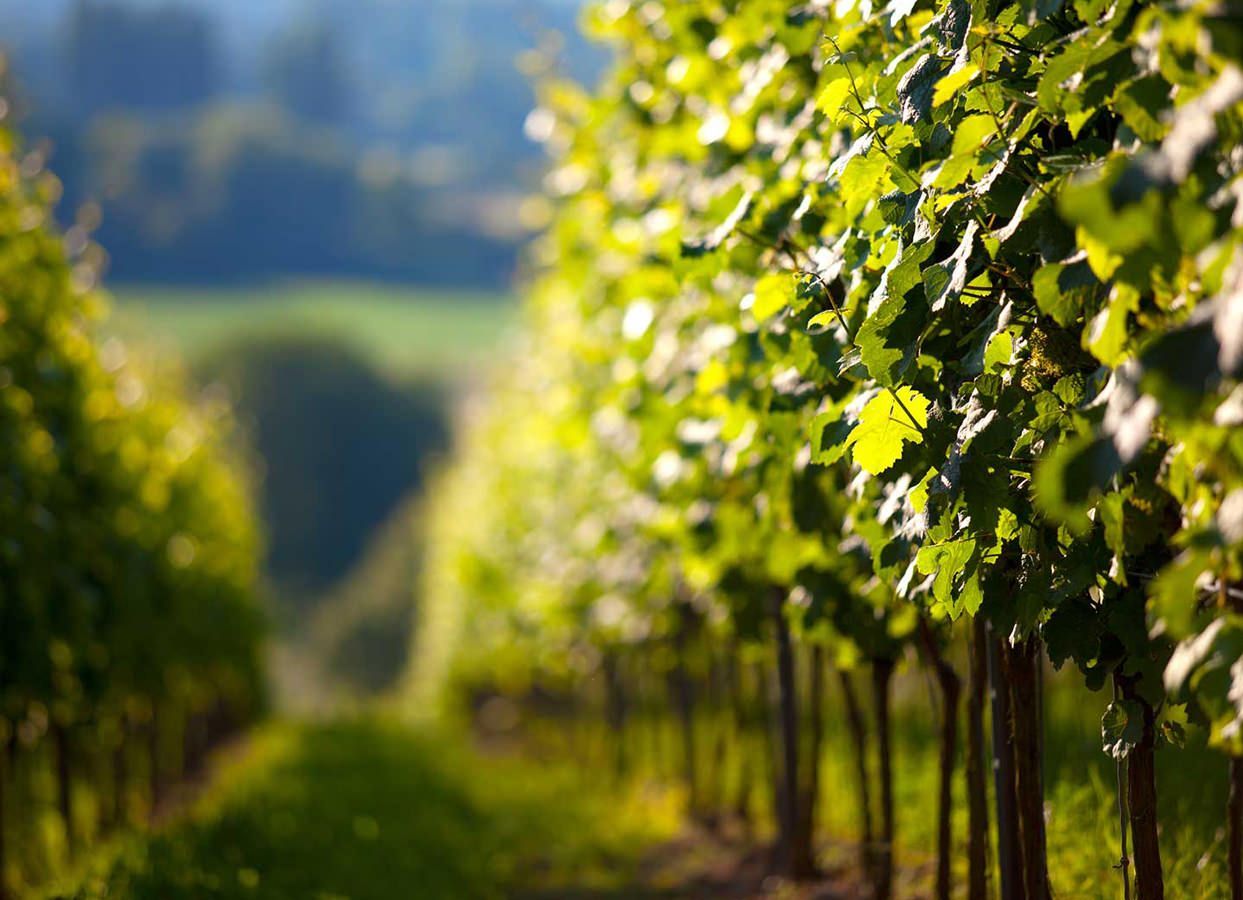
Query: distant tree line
[211, 161]
[168, 58]
[144, 59]
[240, 193]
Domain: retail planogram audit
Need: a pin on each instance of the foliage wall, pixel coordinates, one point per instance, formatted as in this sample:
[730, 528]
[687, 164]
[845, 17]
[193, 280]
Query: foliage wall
[906, 315]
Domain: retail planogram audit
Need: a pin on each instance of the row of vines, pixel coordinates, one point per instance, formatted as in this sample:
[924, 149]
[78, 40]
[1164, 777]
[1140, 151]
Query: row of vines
[865, 333]
[129, 628]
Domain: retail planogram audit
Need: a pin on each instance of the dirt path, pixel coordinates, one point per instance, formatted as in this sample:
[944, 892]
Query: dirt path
[702, 866]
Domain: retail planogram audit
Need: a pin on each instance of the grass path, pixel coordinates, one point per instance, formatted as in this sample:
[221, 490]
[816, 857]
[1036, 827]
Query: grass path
[371, 811]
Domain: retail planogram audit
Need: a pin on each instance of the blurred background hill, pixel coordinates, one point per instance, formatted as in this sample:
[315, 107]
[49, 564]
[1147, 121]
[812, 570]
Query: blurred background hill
[234, 140]
[320, 204]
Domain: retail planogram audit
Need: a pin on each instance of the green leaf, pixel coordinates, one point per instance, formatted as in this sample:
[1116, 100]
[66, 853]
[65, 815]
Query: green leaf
[1174, 595]
[1174, 733]
[916, 87]
[773, 293]
[1101, 259]
[898, 207]
[944, 281]
[1181, 365]
[1064, 85]
[954, 82]
[973, 133]
[970, 597]
[863, 180]
[821, 322]
[718, 235]
[1142, 104]
[948, 561]
[1073, 475]
[1000, 352]
[1073, 632]
[1030, 201]
[1194, 124]
[889, 422]
[1121, 227]
[1122, 728]
[1048, 412]
[888, 337]
[1111, 513]
[1071, 389]
[830, 437]
[1064, 290]
[1107, 337]
[833, 96]
[973, 362]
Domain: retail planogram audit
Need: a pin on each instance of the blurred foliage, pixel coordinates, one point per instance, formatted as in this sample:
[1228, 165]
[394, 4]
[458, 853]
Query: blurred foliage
[129, 546]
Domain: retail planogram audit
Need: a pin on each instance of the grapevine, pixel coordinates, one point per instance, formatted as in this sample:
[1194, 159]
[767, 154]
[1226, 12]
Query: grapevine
[129, 626]
[856, 323]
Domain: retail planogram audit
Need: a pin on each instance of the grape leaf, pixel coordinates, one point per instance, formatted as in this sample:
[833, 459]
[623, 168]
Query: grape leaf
[773, 293]
[954, 82]
[888, 423]
[1122, 728]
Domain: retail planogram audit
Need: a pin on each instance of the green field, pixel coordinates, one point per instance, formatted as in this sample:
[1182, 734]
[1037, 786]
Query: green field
[404, 331]
[368, 810]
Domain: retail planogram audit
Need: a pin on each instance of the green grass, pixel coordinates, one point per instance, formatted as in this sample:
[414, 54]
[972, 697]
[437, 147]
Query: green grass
[369, 810]
[403, 331]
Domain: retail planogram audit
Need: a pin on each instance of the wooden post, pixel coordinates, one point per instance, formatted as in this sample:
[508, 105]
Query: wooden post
[1234, 819]
[788, 734]
[6, 744]
[615, 713]
[684, 702]
[1023, 675]
[157, 782]
[857, 726]
[882, 677]
[742, 737]
[1009, 864]
[121, 773]
[951, 688]
[62, 753]
[1141, 783]
[977, 785]
[803, 853]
